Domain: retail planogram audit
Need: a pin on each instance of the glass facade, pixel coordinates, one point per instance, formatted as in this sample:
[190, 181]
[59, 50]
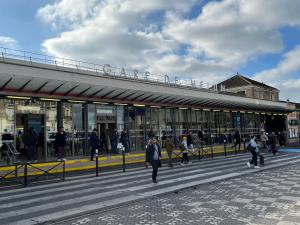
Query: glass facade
[79, 119]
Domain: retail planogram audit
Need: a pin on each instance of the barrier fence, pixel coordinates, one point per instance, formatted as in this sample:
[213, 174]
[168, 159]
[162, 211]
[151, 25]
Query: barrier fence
[27, 173]
[19, 173]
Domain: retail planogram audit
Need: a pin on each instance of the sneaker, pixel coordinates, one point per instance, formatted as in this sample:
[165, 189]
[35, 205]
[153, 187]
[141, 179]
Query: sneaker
[248, 164]
[155, 182]
[182, 164]
[256, 167]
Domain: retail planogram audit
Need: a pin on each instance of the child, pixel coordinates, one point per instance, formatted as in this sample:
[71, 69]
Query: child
[184, 149]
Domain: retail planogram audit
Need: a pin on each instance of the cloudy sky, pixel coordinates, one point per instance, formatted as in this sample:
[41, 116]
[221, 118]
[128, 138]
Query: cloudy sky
[198, 39]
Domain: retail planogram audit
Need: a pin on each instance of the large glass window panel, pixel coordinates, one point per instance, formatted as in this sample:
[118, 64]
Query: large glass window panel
[7, 117]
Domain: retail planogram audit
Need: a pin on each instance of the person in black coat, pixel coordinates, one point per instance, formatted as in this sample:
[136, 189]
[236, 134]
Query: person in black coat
[60, 143]
[114, 138]
[237, 139]
[153, 153]
[125, 141]
[94, 141]
[30, 141]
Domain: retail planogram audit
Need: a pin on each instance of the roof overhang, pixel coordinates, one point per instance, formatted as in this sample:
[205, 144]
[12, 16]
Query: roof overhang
[18, 77]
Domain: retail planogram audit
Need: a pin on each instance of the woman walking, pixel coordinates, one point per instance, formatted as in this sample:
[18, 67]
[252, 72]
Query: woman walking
[252, 147]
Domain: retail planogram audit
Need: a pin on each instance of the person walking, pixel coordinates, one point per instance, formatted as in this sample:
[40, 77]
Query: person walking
[184, 149]
[95, 143]
[252, 147]
[125, 141]
[114, 137]
[237, 139]
[169, 147]
[153, 153]
[60, 143]
[190, 142]
[264, 139]
[30, 141]
[273, 142]
[40, 146]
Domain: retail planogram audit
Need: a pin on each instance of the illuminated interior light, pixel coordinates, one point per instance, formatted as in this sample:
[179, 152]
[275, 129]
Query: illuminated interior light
[18, 97]
[120, 104]
[50, 99]
[76, 101]
[101, 103]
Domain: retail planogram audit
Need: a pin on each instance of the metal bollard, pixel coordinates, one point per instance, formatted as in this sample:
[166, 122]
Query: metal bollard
[244, 145]
[64, 170]
[97, 162]
[25, 175]
[199, 154]
[225, 150]
[212, 152]
[123, 152]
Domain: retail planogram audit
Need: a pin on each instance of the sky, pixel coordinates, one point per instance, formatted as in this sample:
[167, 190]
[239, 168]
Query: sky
[208, 41]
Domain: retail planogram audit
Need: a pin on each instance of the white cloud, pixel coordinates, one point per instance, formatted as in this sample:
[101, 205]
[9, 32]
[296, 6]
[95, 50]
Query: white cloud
[285, 76]
[8, 42]
[152, 35]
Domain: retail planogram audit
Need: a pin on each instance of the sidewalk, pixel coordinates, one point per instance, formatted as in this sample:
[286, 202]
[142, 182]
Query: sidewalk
[84, 163]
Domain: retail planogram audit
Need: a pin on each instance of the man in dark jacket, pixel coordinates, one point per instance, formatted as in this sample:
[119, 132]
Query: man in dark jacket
[60, 143]
[237, 139]
[94, 141]
[153, 153]
[125, 140]
[114, 138]
[30, 141]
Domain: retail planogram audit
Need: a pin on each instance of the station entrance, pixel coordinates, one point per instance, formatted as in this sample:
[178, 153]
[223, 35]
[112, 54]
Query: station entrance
[275, 123]
[24, 122]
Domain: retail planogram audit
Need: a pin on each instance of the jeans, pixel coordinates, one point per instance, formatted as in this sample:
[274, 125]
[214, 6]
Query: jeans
[154, 165]
[254, 157]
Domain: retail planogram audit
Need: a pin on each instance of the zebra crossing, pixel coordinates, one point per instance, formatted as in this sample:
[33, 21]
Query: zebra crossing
[86, 194]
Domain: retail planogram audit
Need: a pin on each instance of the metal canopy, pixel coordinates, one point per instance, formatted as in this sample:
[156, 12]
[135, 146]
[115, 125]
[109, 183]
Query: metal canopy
[42, 87]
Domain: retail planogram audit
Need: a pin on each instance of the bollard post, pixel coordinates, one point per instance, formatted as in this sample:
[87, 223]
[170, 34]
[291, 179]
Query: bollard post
[64, 170]
[123, 152]
[244, 144]
[16, 170]
[199, 154]
[212, 151]
[225, 150]
[25, 175]
[97, 162]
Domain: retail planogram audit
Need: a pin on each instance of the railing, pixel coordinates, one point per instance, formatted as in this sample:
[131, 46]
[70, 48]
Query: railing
[26, 173]
[104, 69]
[11, 154]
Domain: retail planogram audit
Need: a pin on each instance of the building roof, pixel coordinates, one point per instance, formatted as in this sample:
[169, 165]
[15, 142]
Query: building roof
[23, 78]
[239, 81]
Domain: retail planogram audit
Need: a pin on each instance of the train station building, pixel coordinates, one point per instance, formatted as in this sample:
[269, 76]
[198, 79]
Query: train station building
[46, 92]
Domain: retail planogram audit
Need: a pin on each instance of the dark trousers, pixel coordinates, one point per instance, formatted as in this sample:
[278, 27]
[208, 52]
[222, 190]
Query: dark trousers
[185, 157]
[238, 143]
[61, 152]
[169, 158]
[114, 146]
[254, 157]
[93, 151]
[154, 165]
[126, 146]
[31, 153]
